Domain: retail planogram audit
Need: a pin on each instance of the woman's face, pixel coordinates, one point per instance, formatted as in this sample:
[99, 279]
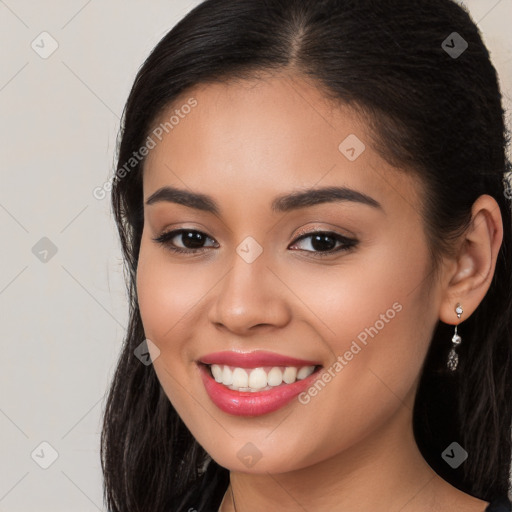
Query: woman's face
[352, 303]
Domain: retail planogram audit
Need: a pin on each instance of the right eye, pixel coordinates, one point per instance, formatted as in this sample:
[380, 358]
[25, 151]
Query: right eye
[191, 239]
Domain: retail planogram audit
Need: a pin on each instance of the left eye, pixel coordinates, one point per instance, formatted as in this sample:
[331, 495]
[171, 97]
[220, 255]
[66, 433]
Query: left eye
[322, 242]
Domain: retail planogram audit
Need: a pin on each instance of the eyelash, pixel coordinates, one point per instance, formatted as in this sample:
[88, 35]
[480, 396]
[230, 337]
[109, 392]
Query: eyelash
[348, 243]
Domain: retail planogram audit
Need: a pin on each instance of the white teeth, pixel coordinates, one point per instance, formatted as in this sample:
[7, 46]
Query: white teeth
[257, 379]
[240, 378]
[227, 376]
[217, 372]
[290, 374]
[275, 377]
[304, 372]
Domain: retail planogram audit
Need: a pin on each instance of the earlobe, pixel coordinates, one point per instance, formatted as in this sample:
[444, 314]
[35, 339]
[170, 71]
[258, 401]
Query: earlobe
[476, 260]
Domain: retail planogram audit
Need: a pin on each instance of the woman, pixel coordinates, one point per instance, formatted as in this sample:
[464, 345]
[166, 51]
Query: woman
[317, 232]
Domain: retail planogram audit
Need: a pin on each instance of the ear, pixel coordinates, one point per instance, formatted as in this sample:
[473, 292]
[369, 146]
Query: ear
[471, 273]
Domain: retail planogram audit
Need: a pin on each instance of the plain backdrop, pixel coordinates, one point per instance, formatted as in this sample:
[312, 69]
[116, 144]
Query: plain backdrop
[62, 295]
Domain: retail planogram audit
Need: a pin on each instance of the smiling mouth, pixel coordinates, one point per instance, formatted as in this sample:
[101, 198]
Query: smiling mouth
[263, 378]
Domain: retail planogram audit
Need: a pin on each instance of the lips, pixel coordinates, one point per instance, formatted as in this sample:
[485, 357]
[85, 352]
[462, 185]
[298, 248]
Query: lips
[254, 402]
[254, 359]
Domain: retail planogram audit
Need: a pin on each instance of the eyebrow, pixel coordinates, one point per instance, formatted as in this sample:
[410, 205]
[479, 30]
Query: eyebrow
[281, 204]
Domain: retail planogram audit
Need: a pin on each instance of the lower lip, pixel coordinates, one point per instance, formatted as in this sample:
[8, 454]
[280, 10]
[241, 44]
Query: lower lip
[251, 403]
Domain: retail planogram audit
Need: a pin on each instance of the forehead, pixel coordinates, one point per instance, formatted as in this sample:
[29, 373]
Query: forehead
[279, 131]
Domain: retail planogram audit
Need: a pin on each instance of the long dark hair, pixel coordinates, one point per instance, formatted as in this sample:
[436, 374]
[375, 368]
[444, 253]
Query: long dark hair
[433, 113]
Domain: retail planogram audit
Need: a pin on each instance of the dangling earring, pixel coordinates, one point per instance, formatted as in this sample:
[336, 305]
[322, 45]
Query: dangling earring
[453, 357]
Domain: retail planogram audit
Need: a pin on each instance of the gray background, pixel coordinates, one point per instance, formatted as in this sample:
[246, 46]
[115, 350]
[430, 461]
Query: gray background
[63, 313]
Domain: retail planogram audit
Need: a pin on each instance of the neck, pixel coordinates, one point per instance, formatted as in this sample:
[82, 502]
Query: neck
[385, 470]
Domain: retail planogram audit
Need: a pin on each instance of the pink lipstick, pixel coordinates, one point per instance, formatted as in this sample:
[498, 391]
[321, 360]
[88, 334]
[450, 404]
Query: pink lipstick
[269, 381]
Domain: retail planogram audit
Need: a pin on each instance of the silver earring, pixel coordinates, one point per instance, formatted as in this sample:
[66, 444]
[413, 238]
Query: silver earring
[453, 357]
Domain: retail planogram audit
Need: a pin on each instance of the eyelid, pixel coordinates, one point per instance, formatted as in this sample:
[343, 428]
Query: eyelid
[313, 230]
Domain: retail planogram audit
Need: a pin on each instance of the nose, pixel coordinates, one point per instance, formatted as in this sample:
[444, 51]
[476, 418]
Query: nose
[250, 297]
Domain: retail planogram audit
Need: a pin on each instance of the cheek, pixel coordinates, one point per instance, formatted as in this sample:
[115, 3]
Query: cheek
[166, 294]
[345, 300]
[373, 313]
[166, 297]
[372, 326]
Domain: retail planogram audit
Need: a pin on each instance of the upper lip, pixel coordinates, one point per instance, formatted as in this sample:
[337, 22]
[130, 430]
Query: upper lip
[254, 359]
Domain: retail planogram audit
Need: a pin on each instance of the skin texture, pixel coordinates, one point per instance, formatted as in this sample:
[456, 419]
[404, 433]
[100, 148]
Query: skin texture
[351, 447]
